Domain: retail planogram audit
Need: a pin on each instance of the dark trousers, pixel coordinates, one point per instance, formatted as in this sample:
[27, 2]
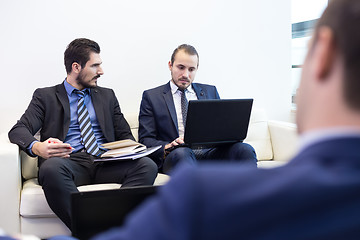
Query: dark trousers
[60, 177]
[239, 152]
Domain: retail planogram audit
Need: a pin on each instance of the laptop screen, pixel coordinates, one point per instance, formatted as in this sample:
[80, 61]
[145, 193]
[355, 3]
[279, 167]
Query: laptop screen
[96, 211]
[219, 121]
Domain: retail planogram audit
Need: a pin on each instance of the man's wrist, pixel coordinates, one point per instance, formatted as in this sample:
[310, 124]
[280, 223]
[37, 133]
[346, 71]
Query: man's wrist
[29, 148]
[166, 152]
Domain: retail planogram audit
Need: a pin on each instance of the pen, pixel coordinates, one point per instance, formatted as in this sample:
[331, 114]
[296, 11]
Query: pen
[57, 142]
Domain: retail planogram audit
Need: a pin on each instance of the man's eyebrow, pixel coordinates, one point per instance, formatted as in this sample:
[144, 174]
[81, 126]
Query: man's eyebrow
[96, 64]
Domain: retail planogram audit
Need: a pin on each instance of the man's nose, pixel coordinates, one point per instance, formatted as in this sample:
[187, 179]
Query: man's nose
[100, 71]
[186, 73]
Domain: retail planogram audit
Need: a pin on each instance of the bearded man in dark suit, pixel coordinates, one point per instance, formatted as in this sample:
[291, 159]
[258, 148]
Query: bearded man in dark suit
[68, 144]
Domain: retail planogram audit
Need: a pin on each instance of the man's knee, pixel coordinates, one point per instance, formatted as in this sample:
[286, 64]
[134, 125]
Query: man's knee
[177, 156]
[243, 151]
[182, 154]
[51, 168]
[148, 165]
[142, 171]
[51, 165]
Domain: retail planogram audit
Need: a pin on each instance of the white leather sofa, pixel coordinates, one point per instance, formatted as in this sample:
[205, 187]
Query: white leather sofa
[23, 207]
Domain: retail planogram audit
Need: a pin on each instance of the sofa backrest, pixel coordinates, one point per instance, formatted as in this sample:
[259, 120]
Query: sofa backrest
[258, 133]
[258, 136]
[133, 120]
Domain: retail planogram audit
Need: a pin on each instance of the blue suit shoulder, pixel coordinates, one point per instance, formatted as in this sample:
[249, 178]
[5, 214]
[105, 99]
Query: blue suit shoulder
[167, 87]
[202, 90]
[205, 91]
[203, 85]
[157, 89]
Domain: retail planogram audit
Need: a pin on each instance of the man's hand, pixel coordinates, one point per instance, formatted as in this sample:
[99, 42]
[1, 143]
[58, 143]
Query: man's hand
[52, 147]
[174, 143]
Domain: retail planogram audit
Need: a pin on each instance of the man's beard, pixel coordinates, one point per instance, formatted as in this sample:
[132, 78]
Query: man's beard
[180, 85]
[86, 84]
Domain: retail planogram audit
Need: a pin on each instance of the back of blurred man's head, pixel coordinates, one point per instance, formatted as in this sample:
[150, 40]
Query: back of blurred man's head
[331, 73]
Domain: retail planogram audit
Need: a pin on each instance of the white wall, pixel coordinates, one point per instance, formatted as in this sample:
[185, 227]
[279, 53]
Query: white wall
[244, 47]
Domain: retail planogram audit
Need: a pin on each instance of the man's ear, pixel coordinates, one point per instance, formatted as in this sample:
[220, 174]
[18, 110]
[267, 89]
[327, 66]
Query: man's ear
[325, 51]
[170, 65]
[76, 68]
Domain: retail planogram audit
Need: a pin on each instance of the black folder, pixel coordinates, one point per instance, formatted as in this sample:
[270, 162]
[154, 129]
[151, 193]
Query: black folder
[96, 211]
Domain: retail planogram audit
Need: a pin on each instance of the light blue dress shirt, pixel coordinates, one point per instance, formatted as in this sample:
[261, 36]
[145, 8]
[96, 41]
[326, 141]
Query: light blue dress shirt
[73, 136]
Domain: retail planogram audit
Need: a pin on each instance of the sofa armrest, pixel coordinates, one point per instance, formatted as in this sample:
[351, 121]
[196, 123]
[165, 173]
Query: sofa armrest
[10, 185]
[284, 139]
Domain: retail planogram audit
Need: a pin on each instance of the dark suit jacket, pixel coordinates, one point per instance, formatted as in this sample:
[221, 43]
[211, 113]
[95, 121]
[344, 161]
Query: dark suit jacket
[49, 112]
[315, 196]
[157, 119]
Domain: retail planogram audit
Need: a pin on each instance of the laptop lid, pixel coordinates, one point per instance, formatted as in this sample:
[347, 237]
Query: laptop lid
[96, 211]
[219, 121]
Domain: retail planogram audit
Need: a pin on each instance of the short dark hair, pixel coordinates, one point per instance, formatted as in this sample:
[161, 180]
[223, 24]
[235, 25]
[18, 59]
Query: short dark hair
[79, 51]
[188, 49]
[343, 18]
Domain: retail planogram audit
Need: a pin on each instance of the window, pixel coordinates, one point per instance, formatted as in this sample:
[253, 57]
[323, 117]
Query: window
[304, 14]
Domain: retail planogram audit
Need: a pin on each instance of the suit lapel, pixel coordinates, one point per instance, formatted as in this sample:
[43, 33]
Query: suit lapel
[170, 104]
[98, 107]
[199, 91]
[64, 100]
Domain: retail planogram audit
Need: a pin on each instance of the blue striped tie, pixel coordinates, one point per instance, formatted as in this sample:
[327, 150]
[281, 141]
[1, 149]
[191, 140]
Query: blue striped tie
[87, 134]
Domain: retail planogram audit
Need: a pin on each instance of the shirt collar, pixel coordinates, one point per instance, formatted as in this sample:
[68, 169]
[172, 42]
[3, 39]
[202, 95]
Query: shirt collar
[174, 88]
[70, 89]
[310, 138]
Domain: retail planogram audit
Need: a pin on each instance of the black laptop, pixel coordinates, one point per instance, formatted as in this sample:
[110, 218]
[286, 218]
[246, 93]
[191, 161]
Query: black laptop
[220, 121]
[96, 211]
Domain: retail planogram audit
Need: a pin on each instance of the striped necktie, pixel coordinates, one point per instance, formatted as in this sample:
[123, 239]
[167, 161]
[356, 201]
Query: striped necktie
[88, 138]
[184, 105]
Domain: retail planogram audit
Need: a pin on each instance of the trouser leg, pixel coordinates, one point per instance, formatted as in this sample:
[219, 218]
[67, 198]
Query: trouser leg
[237, 152]
[59, 178]
[129, 173]
[177, 156]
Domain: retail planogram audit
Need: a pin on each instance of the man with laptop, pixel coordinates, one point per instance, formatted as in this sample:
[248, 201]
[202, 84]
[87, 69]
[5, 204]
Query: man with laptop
[163, 113]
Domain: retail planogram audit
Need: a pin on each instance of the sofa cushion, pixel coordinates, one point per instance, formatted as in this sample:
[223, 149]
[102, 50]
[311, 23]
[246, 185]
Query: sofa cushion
[33, 202]
[42, 228]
